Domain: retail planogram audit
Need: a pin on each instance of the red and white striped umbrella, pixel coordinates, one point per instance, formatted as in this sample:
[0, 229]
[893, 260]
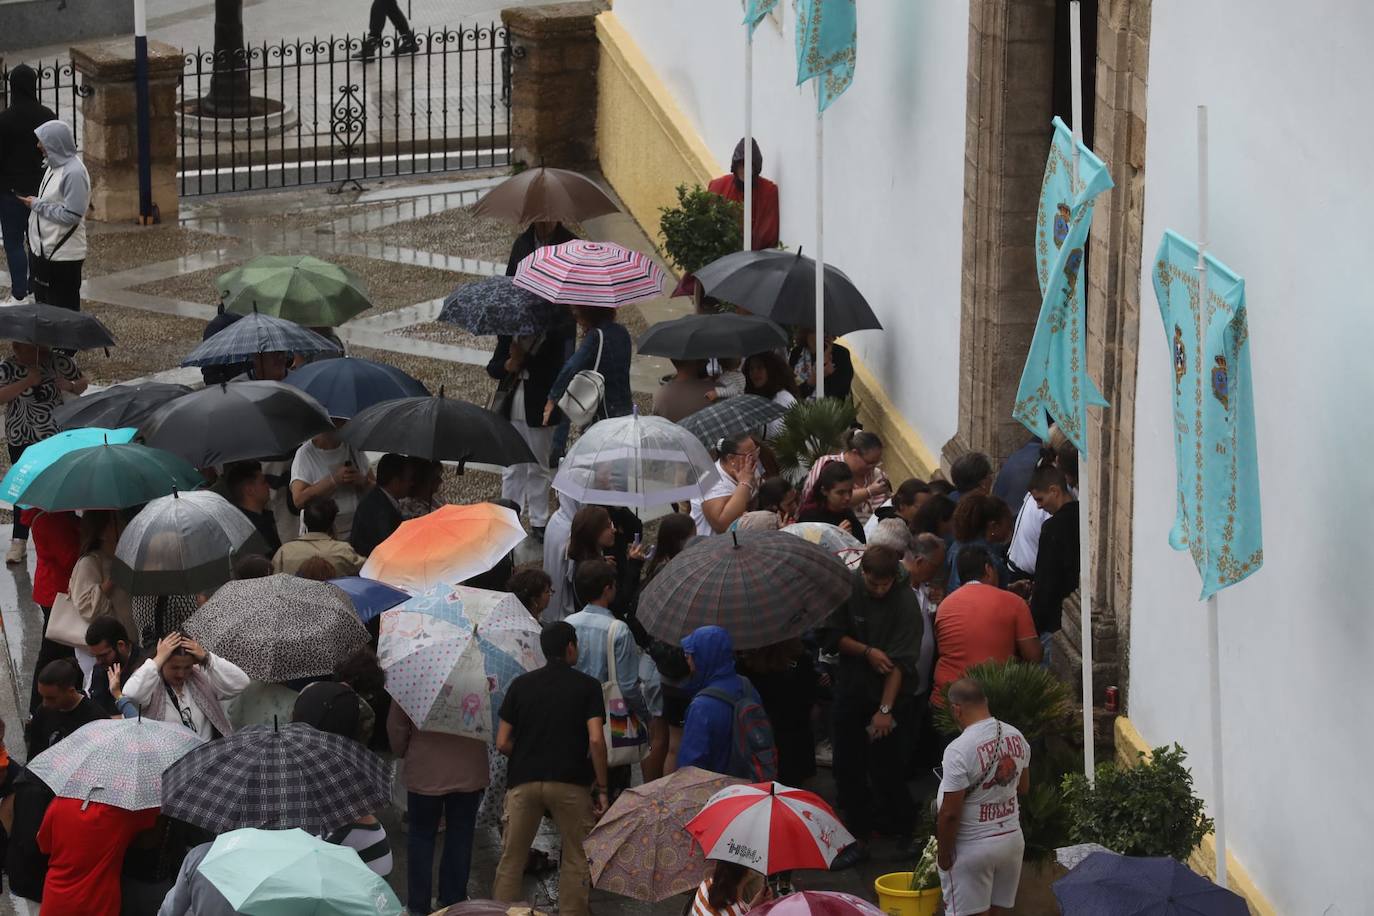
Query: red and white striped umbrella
[769, 828]
[590, 273]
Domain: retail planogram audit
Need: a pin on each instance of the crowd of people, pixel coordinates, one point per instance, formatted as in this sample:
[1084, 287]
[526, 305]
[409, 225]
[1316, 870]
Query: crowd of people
[944, 575]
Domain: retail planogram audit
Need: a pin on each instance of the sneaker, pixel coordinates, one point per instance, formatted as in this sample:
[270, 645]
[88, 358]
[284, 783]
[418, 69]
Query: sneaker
[371, 46]
[10, 300]
[851, 855]
[18, 547]
[825, 753]
[406, 45]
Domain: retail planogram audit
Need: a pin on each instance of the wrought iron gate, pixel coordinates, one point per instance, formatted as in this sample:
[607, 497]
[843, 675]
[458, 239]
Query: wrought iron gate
[312, 111]
[58, 88]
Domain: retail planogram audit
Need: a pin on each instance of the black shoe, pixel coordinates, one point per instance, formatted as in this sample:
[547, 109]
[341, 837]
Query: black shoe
[406, 45]
[851, 855]
[537, 532]
[371, 45]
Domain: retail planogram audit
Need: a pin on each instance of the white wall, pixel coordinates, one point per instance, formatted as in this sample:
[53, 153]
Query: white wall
[1288, 88]
[894, 147]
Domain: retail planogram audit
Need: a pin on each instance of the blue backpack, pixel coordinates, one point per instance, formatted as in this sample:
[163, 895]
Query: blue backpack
[753, 752]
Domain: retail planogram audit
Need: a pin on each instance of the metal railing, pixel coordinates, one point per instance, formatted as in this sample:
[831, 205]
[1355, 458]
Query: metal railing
[59, 88]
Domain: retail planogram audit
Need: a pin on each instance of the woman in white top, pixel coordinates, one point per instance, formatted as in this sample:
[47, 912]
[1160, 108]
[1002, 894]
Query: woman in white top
[325, 466]
[185, 683]
[769, 377]
[737, 463]
[90, 587]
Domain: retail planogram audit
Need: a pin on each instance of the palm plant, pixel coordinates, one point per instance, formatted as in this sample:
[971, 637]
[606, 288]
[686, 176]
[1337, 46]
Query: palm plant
[1029, 697]
[811, 429]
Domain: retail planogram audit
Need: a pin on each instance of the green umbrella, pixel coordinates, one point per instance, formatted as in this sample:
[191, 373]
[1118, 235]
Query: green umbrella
[289, 872]
[108, 477]
[305, 290]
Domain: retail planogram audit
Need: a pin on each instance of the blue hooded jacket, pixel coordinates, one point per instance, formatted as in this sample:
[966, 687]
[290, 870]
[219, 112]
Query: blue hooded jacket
[708, 734]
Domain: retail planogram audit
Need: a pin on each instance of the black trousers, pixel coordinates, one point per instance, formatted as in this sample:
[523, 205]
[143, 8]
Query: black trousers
[48, 651]
[382, 10]
[870, 775]
[21, 531]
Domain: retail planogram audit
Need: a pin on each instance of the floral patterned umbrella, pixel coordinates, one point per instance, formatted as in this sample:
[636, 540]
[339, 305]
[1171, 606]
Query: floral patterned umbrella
[116, 762]
[832, 539]
[451, 652]
[641, 848]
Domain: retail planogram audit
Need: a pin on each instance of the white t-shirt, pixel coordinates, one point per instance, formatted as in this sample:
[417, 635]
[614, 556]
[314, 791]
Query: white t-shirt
[724, 486]
[313, 464]
[989, 770]
[1025, 537]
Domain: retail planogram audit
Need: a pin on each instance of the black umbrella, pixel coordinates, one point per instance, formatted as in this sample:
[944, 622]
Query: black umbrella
[712, 336]
[781, 285]
[437, 428]
[50, 326]
[117, 406]
[233, 421]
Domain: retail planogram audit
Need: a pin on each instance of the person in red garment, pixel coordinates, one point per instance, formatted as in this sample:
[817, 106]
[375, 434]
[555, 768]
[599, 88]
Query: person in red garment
[731, 187]
[85, 844]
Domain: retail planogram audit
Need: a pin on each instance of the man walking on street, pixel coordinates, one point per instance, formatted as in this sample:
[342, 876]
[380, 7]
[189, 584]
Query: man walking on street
[551, 729]
[21, 170]
[382, 10]
[978, 829]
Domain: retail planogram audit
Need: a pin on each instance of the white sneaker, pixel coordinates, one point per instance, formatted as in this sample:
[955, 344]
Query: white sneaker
[16, 554]
[10, 300]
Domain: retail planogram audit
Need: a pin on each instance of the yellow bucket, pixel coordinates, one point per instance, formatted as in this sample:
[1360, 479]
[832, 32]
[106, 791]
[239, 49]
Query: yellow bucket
[896, 898]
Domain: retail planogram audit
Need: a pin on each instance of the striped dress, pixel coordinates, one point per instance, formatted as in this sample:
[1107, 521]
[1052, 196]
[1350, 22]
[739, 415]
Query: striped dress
[370, 842]
[701, 903]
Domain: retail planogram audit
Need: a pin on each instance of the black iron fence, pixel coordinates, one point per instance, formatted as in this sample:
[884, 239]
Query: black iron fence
[59, 88]
[342, 110]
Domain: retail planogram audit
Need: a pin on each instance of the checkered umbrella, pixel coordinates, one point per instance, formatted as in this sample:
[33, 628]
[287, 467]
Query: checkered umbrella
[257, 333]
[747, 413]
[497, 306]
[590, 273]
[117, 762]
[762, 586]
[290, 776]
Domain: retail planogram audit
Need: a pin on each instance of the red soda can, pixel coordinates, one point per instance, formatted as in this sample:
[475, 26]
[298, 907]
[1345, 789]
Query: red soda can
[1113, 699]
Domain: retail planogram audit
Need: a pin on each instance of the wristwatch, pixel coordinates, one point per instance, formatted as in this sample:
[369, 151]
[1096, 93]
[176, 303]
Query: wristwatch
[885, 710]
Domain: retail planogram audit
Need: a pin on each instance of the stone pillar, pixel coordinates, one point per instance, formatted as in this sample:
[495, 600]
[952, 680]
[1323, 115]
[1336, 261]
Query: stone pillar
[109, 139]
[553, 83]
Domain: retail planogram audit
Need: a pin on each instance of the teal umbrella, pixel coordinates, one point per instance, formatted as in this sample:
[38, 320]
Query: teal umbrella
[289, 872]
[108, 477]
[40, 455]
[305, 290]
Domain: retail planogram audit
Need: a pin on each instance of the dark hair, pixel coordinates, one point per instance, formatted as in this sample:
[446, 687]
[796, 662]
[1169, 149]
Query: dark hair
[106, 630]
[594, 316]
[252, 566]
[975, 512]
[92, 529]
[391, 466]
[773, 491]
[528, 584]
[972, 563]
[329, 707]
[240, 474]
[832, 475]
[905, 495]
[941, 487]
[591, 579]
[730, 445]
[726, 880]
[966, 690]
[317, 568]
[319, 515]
[937, 510]
[1066, 459]
[780, 375]
[584, 534]
[555, 638]
[62, 672]
[1044, 478]
[881, 562]
[362, 672]
[674, 532]
[969, 470]
[861, 441]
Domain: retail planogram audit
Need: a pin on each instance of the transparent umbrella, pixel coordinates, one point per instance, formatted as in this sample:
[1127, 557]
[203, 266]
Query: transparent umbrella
[638, 462]
[183, 544]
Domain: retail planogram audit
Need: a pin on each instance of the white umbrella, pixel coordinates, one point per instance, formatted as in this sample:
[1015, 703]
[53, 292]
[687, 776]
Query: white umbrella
[115, 762]
[638, 462]
[183, 544]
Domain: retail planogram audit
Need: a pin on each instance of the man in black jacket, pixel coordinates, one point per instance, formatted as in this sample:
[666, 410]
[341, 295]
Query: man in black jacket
[1056, 560]
[109, 642]
[379, 513]
[21, 170]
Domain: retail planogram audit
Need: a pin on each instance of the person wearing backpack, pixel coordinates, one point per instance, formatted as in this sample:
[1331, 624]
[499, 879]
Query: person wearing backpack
[727, 730]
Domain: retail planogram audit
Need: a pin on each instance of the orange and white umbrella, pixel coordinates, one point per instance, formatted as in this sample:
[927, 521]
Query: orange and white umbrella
[445, 547]
[769, 828]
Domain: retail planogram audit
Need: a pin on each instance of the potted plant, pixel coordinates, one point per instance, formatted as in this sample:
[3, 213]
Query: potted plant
[811, 429]
[700, 229]
[911, 893]
[1148, 809]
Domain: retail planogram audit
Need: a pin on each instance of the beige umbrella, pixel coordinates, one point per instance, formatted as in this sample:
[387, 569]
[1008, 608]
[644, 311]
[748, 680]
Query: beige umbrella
[545, 195]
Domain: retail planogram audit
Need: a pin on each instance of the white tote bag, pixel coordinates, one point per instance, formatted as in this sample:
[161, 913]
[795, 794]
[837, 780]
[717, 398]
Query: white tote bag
[626, 736]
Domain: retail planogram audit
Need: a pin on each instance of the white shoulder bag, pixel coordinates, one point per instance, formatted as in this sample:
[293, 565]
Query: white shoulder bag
[581, 401]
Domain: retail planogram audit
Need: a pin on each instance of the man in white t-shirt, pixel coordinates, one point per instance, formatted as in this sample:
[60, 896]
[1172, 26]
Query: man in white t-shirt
[979, 829]
[325, 466]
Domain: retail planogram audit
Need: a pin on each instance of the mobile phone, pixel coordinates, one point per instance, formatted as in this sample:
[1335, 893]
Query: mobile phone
[649, 554]
[637, 539]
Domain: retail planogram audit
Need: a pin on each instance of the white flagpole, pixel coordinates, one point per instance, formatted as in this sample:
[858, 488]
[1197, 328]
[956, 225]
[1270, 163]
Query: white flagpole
[1213, 627]
[1085, 554]
[818, 365]
[749, 138]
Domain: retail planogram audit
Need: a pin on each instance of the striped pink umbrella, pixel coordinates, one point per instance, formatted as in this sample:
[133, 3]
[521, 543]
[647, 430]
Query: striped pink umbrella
[590, 273]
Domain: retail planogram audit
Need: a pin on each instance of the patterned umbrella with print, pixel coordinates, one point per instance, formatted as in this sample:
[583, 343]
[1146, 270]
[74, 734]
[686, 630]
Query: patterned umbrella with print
[590, 273]
[292, 775]
[769, 828]
[745, 413]
[450, 653]
[833, 539]
[117, 762]
[254, 334]
[279, 628]
[497, 306]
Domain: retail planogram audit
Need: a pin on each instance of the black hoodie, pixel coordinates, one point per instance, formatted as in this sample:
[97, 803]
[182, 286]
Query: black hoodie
[21, 165]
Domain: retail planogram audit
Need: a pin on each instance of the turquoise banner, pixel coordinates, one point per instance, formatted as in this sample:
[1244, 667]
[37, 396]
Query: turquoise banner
[827, 41]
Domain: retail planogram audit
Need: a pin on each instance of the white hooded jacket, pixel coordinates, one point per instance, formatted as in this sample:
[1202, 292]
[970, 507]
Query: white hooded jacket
[62, 199]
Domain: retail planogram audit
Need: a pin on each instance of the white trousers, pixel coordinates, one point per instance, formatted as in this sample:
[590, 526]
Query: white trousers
[527, 485]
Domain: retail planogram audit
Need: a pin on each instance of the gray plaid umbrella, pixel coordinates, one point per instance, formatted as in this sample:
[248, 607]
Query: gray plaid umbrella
[747, 413]
[762, 586]
[183, 544]
[497, 306]
[276, 778]
[257, 333]
[279, 628]
[115, 761]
